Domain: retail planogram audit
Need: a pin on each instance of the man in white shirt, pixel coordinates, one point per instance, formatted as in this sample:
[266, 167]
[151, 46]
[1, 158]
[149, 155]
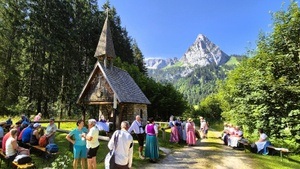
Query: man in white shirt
[124, 146]
[137, 128]
[92, 143]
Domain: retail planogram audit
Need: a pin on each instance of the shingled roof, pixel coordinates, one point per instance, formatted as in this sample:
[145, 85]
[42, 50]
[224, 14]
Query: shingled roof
[121, 83]
[124, 86]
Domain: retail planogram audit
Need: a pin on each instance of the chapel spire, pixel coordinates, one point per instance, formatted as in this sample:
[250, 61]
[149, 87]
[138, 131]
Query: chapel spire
[105, 49]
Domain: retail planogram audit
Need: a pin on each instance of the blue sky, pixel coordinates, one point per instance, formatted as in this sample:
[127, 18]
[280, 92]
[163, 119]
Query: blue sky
[166, 28]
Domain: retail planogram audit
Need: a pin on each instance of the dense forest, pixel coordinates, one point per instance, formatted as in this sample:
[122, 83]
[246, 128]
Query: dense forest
[46, 56]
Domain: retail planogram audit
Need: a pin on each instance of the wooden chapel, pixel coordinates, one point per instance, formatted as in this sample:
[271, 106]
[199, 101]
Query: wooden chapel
[115, 92]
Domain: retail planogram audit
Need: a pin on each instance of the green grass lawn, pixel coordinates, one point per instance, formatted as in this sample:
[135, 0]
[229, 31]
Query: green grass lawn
[274, 162]
[259, 161]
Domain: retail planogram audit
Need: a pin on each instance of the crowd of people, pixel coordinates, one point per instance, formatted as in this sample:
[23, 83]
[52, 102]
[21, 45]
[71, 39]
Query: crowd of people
[24, 131]
[233, 134]
[185, 131]
[85, 140]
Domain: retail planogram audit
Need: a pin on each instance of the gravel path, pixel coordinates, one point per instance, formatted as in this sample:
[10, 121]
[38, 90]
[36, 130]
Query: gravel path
[209, 154]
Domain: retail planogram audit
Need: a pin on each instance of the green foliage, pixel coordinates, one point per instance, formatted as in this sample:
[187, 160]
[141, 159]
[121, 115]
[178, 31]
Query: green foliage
[63, 161]
[46, 53]
[210, 108]
[264, 90]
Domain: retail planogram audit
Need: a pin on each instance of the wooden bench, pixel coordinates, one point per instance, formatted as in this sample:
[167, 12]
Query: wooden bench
[272, 149]
[280, 150]
[23, 166]
[14, 164]
[244, 143]
[42, 150]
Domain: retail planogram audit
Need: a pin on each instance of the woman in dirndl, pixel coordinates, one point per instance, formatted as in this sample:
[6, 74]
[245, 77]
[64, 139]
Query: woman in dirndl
[151, 149]
[174, 136]
[190, 133]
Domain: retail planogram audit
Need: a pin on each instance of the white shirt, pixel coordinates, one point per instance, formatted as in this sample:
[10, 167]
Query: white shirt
[136, 127]
[263, 136]
[51, 129]
[124, 150]
[9, 150]
[94, 132]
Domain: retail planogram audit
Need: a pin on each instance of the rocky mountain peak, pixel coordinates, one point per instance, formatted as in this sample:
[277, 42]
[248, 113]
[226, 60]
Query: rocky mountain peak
[203, 52]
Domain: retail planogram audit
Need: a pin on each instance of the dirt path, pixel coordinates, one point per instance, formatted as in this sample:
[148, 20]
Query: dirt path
[209, 154]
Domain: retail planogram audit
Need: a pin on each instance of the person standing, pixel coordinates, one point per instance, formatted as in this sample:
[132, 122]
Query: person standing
[92, 143]
[151, 149]
[174, 136]
[184, 123]
[190, 132]
[178, 125]
[79, 144]
[124, 146]
[137, 128]
[51, 130]
[203, 128]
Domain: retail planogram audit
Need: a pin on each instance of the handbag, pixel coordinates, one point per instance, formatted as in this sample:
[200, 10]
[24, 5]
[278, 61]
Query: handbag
[23, 159]
[110, 157]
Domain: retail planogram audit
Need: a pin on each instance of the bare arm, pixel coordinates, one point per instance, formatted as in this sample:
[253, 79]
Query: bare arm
[36, 133]
[68, 137]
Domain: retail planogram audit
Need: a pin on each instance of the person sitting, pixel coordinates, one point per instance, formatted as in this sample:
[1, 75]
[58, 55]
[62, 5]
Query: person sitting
[234, 138]
[225, 134]
[34, 139]
[51, 130]
[8, 123]
[102, 124]
[12, 148]
[24, 120]
[21, 131]
[37, 118]
[27, 134]
[262, 143]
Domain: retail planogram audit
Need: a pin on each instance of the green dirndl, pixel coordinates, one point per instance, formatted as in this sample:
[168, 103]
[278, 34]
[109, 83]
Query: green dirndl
[151, 149]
